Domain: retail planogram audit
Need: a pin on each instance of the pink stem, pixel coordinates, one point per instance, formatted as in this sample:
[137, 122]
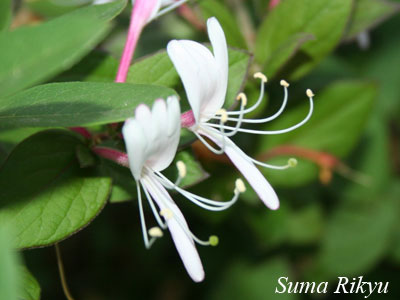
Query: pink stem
[82, 131]
[140, 13]
[273, 3]
[116, 156]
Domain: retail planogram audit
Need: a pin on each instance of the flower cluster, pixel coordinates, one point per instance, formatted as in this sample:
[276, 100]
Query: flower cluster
[152, 138]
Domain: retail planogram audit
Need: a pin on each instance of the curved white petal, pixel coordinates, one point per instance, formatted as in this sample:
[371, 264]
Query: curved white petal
[136, 144]
[166, 124]
[204, 75]
[188, 71]
[220, 49]
[252, 174]
[178, 228]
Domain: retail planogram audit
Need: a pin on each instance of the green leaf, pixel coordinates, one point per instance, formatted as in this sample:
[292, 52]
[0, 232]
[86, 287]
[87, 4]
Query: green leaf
[339, 117]
[233, 34]
[10, 137]
[285, 52]
[158, 69]
[48, 54]
[45, 196]
[5, 14]
[54, 8]
[357, 236]
[8, 267]
[124, 186]
[252, 281]
[96, 66]
[298, 227]
[325, 20]
[76, 104]
[29, 287]
[85, 157]
[368, 14]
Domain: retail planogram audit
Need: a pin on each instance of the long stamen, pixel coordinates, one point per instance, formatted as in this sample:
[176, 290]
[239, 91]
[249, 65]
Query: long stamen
[224, 117]
[267, 119]
[148, 243]
[292, 162]
[310, 95]
[259, 100]
[154, 209]
[168, 214]
[243, 99]
[212, 241]
[168, 9]
[201, 201]
[279, 112]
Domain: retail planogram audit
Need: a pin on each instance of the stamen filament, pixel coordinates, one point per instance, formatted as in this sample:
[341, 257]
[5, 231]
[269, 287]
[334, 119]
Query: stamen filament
[191, 234]
[198, 200]
[267, 119]
[292, 162]
[162, 224]
[259, 100]
[147, 243]
[218, 126]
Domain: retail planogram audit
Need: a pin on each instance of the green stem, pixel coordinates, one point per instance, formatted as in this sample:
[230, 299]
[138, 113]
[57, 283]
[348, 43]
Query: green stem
[62, 274]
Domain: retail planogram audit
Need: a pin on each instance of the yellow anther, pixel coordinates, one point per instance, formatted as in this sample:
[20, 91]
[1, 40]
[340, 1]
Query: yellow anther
[155, 232]
[292, 162]
[166, 213]
[180, 165]
[240, 187]
[213, 240]
[243, 98]
[310, 93]
[261, 76]
[284, 83]
[224, 115]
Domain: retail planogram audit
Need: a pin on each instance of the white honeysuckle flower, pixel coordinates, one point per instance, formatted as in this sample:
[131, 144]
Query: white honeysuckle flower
[151, 140]
[205, 78]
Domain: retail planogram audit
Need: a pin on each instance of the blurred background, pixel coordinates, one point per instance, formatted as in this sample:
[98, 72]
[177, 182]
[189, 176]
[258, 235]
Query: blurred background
[339, 212]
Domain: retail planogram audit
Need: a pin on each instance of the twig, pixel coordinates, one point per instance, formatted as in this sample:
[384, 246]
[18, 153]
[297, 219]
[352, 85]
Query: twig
[62, 274]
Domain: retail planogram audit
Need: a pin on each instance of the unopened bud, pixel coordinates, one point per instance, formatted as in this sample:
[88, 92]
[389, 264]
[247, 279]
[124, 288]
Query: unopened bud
[310, 93]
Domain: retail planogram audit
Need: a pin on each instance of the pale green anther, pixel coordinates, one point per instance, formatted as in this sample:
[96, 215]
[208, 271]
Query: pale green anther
[292, 162]
[213, 240]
